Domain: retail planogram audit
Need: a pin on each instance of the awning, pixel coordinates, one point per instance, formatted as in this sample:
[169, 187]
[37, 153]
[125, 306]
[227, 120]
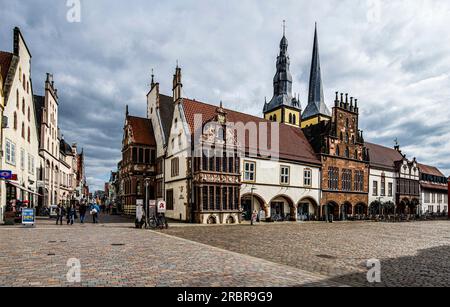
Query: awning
[22, 188]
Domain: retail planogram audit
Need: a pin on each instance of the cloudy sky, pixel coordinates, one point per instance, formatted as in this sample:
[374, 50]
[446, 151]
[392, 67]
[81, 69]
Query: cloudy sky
[394, 56]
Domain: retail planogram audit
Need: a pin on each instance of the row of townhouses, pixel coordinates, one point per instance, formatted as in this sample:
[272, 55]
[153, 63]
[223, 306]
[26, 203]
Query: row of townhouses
[210, 164]
[46, 170]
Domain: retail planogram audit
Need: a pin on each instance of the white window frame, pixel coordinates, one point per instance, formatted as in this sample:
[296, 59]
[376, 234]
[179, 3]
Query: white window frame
[12, 152]
[307, 177]
[285, 175]
[375, 188]
[249, 171]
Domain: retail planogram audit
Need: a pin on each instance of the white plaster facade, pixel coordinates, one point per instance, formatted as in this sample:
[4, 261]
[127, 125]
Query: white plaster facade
[382, 185]
[20, 139]
[302, 189]
[434, 201]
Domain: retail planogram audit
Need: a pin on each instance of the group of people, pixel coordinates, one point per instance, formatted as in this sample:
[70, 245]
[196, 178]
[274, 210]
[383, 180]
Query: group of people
[70, 212]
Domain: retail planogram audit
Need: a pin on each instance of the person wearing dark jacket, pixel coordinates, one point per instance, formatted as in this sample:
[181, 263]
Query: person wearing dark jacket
[60, 212]
[71, 214]
[82, 210]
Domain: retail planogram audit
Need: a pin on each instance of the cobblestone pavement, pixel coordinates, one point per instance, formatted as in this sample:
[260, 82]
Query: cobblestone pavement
[115, 254]
[411, 254]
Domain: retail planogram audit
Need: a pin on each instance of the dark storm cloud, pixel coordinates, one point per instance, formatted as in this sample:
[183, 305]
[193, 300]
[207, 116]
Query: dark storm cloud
[392, 55]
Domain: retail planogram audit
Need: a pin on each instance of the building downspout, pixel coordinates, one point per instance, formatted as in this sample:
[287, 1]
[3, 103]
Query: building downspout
[448, 203]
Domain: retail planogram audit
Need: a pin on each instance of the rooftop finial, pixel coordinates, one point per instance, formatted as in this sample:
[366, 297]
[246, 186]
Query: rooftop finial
[178, 65]
[284, 27]
[153, 78]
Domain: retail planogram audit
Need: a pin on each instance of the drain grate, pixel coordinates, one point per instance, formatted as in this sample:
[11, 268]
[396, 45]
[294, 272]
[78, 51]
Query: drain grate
[117, 244]
[51, 254]
[52, 242]
[327, 257]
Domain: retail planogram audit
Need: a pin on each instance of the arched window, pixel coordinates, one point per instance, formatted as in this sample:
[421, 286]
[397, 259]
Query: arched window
[347, 153]
[294, 119]
[29, 135]
[271, 118]
[338, 152]
[23, 106]
[15, 121]
[275, 118]
[17, 99]
[23, 130]
[290, 118]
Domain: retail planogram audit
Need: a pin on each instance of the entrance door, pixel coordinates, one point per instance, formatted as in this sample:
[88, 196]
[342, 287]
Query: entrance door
[303, 213]
[277, 211]
[247, 207]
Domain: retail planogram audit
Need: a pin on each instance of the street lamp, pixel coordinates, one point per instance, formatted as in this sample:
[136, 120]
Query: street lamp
[146, 203]
[253, 204]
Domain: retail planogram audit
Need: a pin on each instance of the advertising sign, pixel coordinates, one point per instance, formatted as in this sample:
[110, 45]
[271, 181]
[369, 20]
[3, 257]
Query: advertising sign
[28, 217]
[162, 206]
[139, 209]
[7, 175]
[139, 212]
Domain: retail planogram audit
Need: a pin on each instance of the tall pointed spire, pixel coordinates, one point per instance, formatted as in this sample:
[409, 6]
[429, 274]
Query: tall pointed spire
[316, 102]
[282, 82]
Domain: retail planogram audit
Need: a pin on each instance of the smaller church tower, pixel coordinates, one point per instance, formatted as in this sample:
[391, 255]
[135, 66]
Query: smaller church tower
[283, 108]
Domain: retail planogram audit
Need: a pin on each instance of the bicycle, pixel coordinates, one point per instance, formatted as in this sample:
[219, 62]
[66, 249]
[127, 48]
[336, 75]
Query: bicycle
[158, 222]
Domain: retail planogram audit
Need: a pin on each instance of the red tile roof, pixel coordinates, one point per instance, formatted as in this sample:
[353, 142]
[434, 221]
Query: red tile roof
[5, 63]
[293, 144]
[381, 156]
[142, 130]
[430, 170]
[434, 186]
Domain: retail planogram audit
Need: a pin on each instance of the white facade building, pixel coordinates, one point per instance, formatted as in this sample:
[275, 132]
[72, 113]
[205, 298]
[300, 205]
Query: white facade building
[20, 138]
[433, 190]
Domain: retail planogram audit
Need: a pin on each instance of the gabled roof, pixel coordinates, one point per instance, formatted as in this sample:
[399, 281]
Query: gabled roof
[166, 108]
[293, 144]
[383, 157]
[430, 170]
[142, 130]
[65, 148]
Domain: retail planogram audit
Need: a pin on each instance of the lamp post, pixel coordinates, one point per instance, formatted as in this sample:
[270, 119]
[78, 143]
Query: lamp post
[253, 189]
[146, 203]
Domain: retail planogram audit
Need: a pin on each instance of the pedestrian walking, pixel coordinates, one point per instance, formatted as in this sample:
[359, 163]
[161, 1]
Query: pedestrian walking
[94, 212]
[71, 215]
[82, 210]
[60, 212]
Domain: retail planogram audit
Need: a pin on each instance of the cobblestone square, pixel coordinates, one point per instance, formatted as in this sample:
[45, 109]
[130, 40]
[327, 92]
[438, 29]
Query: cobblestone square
[411, 254]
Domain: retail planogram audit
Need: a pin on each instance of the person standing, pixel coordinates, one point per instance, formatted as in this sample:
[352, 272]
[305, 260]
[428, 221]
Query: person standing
[60, 212]
[94, 213]
[72, 212]
[83, 210]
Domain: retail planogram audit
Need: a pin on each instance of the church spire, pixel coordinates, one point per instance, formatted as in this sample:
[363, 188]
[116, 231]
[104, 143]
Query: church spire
[316, 103]
[282, 82]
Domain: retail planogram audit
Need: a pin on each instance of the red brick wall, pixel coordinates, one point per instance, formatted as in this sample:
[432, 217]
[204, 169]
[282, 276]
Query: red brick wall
[340, 197]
